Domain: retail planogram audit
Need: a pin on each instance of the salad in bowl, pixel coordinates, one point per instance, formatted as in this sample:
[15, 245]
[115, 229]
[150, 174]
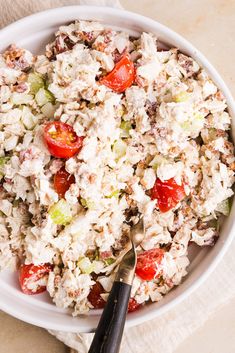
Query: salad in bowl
[103, 128]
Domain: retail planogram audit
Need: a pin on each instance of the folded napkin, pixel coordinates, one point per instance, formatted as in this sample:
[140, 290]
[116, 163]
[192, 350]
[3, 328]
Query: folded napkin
[165, 333]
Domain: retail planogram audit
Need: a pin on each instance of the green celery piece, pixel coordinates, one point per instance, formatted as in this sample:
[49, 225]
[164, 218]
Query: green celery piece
[60, 213]
[44, 96]
[36, 82]
[125, 127]
[119, 148]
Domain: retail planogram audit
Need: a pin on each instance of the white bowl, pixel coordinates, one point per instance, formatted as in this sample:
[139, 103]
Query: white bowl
[34, 32]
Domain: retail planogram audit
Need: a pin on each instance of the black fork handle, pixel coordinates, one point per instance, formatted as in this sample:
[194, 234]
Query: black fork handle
[109, 332]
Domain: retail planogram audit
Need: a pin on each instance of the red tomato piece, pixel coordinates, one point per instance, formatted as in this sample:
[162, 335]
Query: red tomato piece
[29, 275]
[94, 296]
[62, 181]
[121, 77]
[148, 262]
[168, 193]
[133, 305]
[61, 139]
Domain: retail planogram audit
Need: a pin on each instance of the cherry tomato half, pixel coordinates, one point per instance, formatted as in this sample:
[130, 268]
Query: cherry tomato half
[168, 193]
[133, 305]
[98, 302]
[148, 262]
[121, 77]
[29, 275]
[94, 296]
[61, 139]
[62, 181]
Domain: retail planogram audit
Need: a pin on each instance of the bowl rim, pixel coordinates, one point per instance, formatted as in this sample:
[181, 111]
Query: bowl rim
[199, 57]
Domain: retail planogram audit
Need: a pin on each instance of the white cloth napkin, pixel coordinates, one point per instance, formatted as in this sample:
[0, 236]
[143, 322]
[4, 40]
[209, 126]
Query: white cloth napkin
[165, 333]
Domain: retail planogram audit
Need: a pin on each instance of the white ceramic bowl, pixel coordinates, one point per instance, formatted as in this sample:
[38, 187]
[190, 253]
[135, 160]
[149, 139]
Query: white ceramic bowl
[34, 32]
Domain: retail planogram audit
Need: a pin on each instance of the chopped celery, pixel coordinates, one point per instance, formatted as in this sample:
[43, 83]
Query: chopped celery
[198, 117]
[36, 82]
[181, 97]
[86, 265]
[157, 161]
[214, 223]
[109, 261]
[29, 120]
[115, 194]
[121, 111]
[198, 121]
[3, 161]
[48, 110]
[60, 213]
[44, 96]
[186, 125]
[224, 207]
[119, 148]
[125, 127]
[83, 202]
[196, 124]
[87, 203]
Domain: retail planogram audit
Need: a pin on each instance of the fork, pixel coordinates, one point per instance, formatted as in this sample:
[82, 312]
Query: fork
[109, 332]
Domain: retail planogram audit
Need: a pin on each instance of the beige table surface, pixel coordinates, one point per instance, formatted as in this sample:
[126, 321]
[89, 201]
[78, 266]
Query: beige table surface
[210, 26]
